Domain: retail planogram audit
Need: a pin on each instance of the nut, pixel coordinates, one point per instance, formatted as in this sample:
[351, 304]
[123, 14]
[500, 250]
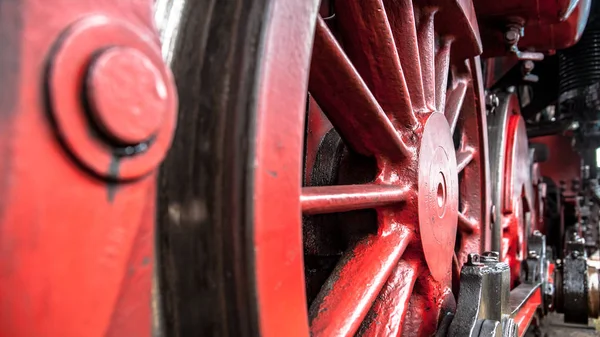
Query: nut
[490, 257]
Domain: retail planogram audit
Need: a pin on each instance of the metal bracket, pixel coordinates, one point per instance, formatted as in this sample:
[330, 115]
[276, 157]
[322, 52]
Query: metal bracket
[483, 303]
[535, 269]
[572, 297]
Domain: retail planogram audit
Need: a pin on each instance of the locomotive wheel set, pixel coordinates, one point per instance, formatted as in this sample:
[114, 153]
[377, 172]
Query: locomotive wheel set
[298, 167]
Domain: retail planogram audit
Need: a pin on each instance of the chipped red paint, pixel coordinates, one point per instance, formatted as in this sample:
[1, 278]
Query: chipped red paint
[77, 249]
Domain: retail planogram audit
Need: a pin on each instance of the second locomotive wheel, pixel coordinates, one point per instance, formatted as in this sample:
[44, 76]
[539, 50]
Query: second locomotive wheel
[400, 84]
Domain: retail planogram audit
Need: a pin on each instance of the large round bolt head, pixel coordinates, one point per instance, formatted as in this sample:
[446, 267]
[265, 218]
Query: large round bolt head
[127, 95]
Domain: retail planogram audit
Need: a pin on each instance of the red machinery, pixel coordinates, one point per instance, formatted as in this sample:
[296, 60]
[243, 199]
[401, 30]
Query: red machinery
[339, 167]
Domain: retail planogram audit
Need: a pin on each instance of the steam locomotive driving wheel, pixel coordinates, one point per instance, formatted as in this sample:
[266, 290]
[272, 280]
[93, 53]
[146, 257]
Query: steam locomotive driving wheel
[350, 212]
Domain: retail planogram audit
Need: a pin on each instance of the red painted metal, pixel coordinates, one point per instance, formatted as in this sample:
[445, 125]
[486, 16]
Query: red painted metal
[438, 196]
[277, 224]
[318, 126]
[388, 115]
[367, 129]
[548, 25]
[77, 250]
[558, 35]
[343, 305]
[563, 163]
[392, 304]
[330, 199]
[518, 202]
[527, 311]
[68, 69]
[127, 94]
[529, 10]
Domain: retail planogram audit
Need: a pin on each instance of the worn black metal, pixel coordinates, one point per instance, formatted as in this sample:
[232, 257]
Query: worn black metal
[483, 301]
[205, 249]
[574, 294]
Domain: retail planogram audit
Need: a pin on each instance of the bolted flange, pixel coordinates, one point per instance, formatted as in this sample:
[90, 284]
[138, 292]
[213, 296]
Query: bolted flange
[112, 100]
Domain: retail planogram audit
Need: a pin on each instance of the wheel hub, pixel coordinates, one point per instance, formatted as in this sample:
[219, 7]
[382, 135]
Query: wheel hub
[438, 196]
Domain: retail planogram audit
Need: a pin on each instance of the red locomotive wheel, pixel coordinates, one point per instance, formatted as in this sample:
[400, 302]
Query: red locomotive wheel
[516, 211]
[395, 194]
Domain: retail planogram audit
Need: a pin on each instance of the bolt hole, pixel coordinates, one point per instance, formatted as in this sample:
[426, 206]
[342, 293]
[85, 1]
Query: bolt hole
[440, 195]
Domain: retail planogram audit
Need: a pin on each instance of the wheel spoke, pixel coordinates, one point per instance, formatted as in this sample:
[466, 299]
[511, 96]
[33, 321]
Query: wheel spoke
[465, 224]
[369, 44]
[442, 67]
[454, 103]
[390, 308]
[331, 199]
[428, 297]
[349, 292]
[402, 20]
[463, 158]
[348, 103]
[426, 38]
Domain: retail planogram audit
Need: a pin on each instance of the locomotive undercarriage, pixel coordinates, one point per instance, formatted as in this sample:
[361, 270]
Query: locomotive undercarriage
[335, 167]
[517, 253]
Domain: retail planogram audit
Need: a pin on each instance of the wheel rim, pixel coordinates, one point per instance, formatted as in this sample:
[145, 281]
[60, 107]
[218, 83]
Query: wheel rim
[515, 195]
[398, 279]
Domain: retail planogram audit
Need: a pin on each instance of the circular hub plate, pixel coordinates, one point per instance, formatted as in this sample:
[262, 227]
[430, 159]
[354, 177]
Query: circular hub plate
[438, 196]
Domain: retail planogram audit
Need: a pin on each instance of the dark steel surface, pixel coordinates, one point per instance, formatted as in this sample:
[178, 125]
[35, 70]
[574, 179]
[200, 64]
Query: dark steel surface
[206, 209]
[483, 300]
[574, 283]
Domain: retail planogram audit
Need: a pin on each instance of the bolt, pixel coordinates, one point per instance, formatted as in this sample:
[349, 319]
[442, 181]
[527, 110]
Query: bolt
[127, 94]
[528, 66]
[533, 254]
[511, 36]
[473, 260]
[586, 172]
[575, 254]
[549, 289]
[491, 102]
[493, 214]
[537, 233]
[490, 257]
[509, 328]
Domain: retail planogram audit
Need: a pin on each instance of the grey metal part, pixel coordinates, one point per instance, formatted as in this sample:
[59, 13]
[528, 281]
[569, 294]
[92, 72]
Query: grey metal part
[497, 144]
[483, 299]
[497, 129]
[519, 295]
[534, 267]
[574, 283]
